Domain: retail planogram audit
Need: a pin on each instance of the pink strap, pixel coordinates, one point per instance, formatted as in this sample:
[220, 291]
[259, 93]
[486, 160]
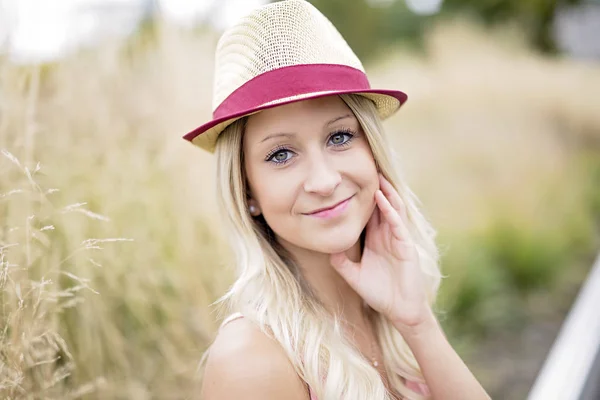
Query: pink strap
[417, 387]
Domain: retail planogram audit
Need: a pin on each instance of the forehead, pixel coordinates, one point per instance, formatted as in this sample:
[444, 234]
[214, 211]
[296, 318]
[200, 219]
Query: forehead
[294, 116]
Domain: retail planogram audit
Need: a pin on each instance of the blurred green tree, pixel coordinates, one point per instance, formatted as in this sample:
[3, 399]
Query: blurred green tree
[535, 17]
[359, 24]
[370, 25]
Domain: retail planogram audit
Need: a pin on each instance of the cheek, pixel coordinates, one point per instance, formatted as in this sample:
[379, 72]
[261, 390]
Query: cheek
[276, 195]
[278, 208]
[370, 184]
[362, 169]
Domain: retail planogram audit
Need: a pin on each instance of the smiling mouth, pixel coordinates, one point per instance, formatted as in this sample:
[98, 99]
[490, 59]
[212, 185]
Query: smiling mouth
[324, 210]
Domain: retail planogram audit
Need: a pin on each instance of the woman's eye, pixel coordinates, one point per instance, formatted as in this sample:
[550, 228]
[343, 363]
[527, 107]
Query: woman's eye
[340, 138]
[281, 156]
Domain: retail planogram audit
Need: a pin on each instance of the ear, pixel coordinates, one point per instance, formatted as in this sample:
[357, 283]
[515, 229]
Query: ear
[253, 207]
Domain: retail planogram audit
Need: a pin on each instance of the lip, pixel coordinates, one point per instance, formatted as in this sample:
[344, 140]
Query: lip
[333, 211]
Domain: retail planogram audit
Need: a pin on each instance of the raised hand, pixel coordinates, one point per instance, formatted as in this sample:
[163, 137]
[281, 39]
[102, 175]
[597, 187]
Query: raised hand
[388, 276]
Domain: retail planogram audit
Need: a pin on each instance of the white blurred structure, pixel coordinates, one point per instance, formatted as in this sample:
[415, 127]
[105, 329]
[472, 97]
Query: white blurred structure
[43, 30]
[37, 30]
[424, 7]
[577, 29]
[571, 370]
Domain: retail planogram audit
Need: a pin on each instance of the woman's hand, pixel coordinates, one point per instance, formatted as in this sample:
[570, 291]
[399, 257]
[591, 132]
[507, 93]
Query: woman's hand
[388, 276]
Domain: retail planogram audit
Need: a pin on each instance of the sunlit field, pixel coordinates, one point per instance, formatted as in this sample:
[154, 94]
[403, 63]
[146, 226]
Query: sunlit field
[110, 249]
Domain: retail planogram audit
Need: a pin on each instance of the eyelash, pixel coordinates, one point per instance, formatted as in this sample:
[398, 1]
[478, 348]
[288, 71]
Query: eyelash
[270, 157]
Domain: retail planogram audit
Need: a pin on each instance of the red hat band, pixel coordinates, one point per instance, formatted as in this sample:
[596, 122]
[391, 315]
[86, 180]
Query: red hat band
[286, 83]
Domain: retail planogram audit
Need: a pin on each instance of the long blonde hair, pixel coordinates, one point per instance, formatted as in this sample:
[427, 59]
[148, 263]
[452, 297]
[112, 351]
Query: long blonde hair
[271, 291]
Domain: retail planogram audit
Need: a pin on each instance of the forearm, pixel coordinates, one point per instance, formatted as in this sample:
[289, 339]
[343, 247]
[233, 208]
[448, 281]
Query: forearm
[446, 375]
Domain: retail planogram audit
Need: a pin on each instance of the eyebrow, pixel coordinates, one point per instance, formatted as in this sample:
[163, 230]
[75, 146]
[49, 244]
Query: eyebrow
[336, 119]
[274, 135]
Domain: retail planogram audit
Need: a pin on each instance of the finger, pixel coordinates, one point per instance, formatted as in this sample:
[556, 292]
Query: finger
[399, 229]
[376, 215]
[393, 197]
[348, 269]
[374, 220]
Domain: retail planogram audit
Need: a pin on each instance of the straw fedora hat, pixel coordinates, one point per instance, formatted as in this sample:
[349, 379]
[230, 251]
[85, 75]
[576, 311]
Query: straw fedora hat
[283, 52]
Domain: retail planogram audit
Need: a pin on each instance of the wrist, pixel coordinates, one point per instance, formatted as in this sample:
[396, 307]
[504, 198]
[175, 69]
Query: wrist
[425, 323]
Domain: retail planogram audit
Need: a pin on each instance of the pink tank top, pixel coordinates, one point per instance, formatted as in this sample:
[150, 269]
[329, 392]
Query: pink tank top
[417, 387]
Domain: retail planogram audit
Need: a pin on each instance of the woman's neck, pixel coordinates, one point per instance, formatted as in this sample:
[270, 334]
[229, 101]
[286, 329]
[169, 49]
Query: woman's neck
[335, 293]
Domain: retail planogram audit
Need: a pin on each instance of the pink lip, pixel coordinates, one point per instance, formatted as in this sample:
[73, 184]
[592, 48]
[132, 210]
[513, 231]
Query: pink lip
[333, 211]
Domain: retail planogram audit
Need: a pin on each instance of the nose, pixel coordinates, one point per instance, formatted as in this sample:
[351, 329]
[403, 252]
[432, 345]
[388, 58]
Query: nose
[322, 176]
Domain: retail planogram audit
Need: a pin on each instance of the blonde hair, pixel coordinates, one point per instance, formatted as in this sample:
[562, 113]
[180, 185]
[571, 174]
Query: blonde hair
[271, 291]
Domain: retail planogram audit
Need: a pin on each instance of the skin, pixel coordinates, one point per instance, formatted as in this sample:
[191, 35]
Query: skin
[316, 170]
[327, 159]
[301, 157]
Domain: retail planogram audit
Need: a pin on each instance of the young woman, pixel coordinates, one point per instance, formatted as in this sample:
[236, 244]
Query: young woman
[338, 269]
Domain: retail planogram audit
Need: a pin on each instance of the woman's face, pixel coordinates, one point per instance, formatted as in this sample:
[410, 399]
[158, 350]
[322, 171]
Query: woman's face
[311, 173]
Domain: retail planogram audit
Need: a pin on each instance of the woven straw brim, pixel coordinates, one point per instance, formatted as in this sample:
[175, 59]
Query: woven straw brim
[387, 102]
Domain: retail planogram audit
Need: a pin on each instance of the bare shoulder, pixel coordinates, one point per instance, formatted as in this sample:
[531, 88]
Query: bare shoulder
[244, 363]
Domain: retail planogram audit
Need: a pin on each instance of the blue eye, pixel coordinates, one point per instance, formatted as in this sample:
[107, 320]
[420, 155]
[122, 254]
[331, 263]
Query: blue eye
[341, 138]
[279, 156]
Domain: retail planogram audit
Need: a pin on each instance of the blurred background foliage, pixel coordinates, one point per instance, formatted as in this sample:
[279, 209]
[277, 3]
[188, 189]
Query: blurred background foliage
[110, 250]
[370, 25]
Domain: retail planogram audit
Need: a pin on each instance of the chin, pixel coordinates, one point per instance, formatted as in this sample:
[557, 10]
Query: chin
[335, 243]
